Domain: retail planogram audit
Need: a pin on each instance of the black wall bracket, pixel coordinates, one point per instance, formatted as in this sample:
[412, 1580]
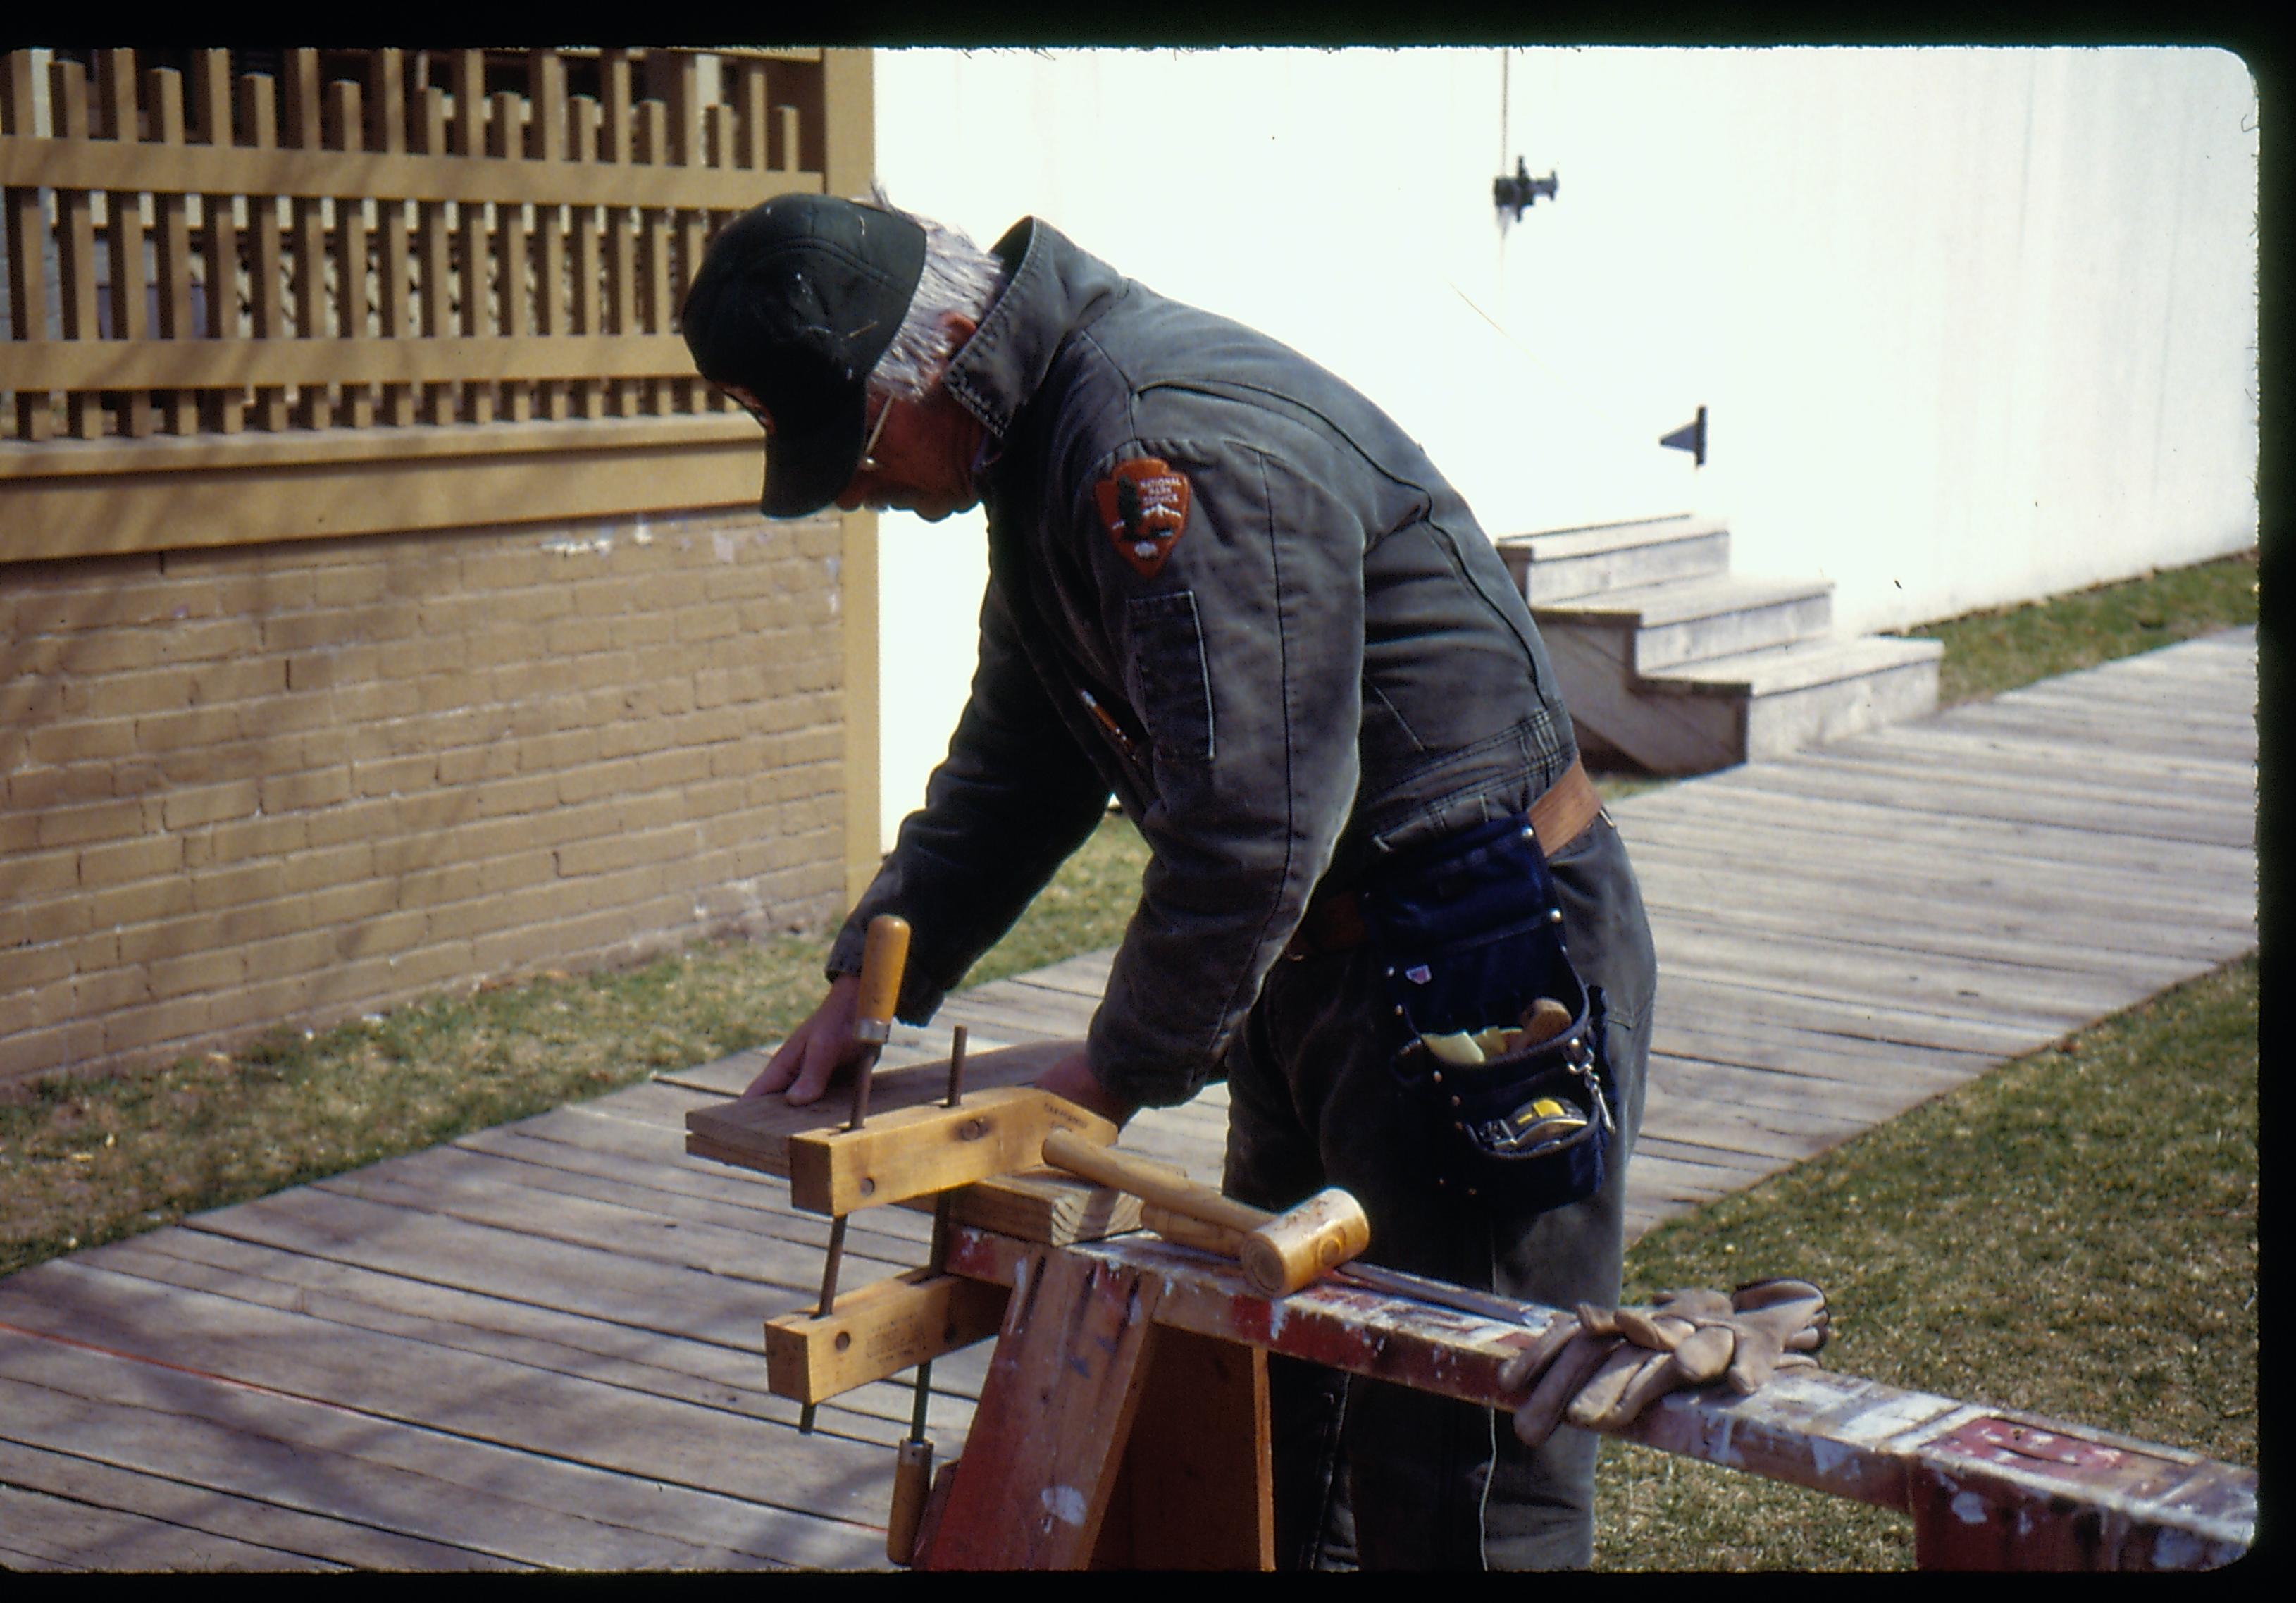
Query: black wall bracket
[1521, 191]
[1690, 437]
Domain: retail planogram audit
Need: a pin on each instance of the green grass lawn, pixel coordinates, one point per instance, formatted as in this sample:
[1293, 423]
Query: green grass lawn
[2073, 1234]
[1989, 651]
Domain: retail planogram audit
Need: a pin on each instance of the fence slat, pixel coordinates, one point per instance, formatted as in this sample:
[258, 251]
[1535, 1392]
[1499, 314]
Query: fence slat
[472, 238]
[75, 243]
[224, 411]
[654, 249]
[751, 108]
[787, 118]
[546, 94]
[672, 78]
[123, 232]
[614, 77]
[27, 223]
[315, 405]
[507, 139]
[258, 115]
[405, 208]
[438, 402]
[585, 398]
[387, 132]
[355, 405]
[386, 101]
[172, 240]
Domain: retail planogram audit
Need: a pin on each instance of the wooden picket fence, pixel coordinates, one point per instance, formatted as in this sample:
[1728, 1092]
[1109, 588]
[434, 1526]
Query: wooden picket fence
[211, 268]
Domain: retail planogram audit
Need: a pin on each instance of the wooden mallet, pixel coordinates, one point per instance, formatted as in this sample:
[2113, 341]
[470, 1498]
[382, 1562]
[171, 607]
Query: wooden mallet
[1280, 1252]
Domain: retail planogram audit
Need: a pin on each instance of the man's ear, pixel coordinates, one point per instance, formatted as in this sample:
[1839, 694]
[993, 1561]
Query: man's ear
[959, 328]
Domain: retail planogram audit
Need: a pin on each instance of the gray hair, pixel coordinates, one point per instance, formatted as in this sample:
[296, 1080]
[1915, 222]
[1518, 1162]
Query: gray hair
[959, 276]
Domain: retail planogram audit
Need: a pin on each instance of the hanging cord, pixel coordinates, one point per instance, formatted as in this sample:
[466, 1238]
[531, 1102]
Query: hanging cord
[1505, 59]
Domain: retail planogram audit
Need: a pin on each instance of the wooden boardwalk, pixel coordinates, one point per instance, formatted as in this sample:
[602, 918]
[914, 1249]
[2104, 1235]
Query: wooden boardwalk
[539, 1345]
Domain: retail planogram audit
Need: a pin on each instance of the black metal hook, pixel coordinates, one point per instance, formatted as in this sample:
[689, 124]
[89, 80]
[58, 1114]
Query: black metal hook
[1521, 190]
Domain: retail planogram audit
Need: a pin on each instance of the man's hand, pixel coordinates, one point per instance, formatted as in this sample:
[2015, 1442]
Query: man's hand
[810, 1058]
[1072, 1078]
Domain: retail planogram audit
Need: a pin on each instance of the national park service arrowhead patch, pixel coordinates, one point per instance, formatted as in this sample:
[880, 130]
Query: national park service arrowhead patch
[1144, 505]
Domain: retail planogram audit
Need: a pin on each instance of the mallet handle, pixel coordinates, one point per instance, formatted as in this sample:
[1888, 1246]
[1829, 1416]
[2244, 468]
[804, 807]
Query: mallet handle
[1109, 1167]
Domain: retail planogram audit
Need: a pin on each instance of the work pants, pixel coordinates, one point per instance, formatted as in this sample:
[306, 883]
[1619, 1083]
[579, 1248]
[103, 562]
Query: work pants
[1373, 1474]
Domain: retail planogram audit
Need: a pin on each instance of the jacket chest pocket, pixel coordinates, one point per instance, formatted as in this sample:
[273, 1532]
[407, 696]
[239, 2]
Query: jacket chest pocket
[1174, 692]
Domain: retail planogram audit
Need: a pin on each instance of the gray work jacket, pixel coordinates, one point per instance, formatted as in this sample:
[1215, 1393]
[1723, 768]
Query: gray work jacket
[1329, 663]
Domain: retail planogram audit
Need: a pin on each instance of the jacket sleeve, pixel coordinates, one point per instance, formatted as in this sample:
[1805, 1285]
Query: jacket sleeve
[1012, 799]
[1242, 656]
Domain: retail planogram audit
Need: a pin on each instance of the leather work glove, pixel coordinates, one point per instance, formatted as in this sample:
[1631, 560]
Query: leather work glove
[1602, 1367]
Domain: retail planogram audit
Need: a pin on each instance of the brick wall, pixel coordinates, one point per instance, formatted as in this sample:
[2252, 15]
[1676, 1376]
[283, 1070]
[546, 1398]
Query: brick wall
[287, 783]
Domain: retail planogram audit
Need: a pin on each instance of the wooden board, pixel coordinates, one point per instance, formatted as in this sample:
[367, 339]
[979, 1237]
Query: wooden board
[461, 1191]
[323, 1459]
[270, 1536]
[42, 1532]
[696, 1372]
[623, 1433]
[920, 1152]
[2154, 1506]
[594, 1281]
[1195, 1489]
[1043, 1457]
[754, 1131]
[876, 1331]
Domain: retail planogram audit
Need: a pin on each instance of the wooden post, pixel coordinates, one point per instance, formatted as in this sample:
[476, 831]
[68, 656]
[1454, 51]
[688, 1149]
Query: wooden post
[622, 238]
[434, 245]
[849, 164]
[546, 94]
[124, 230]
[259, 112]
[506, 139]
[164, 88]
[476, 243]
[386, 131]
[315, 406]
[1196, 1489]
[753, 109]
[27, 225]
[355, 406]
[673, 77]
[586, 398]
[75, 244]
[654, 249]
[1042, 1457]
[224, 408]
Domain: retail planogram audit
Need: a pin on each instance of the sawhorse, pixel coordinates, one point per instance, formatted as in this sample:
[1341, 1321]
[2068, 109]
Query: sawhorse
[1124, 1424]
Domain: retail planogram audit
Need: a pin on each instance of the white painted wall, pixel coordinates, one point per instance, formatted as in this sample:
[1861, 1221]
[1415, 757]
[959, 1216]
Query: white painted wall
[1972, 325]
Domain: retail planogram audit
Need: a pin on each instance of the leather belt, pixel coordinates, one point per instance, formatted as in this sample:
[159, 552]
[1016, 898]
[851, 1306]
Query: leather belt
[1334, 922]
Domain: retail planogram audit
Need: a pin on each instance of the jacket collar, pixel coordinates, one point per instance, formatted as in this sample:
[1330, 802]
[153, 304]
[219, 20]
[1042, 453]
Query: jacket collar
[1052, 289]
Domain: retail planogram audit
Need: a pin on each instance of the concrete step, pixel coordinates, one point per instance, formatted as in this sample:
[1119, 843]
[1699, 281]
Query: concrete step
[1694, 620]
[1701, 716]
[1557, 564]
[1696, 717]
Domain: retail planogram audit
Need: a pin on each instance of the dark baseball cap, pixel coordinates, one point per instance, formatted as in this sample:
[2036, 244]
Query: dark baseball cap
[794, 302]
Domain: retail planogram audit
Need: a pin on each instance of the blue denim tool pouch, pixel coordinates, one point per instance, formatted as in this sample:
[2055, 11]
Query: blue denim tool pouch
[1469, 936]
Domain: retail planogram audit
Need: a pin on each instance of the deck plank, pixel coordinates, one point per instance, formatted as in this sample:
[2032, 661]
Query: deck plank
[284, 1538]
[336, 1462]
[569, 1418]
